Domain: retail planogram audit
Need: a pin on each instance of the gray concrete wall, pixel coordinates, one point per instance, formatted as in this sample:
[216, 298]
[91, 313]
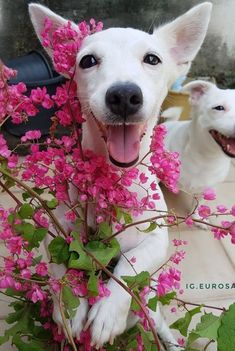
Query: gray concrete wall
[216, 57]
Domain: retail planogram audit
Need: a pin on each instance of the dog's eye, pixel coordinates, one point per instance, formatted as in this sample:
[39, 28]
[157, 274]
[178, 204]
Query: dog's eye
[152, 59]
[218, 108]
[88, 61]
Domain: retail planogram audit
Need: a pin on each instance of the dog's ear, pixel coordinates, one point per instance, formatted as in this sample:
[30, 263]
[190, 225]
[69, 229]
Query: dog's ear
[197, 89]
[38, 15]
[184, 36]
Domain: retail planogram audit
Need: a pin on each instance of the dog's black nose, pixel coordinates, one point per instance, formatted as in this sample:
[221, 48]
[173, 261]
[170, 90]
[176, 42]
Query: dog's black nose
[124, 99]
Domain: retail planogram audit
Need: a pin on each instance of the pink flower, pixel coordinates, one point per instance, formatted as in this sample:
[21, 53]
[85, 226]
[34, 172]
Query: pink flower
[181, 341]
[30, 135]
[36, 294]
[221, 208]
[40, 218]
[233, 210]
[209, 194]
[189, 221]
[143, 179]
[173, 310]
[133, 259]
[204, 211]
[178, 256]
[41, 269]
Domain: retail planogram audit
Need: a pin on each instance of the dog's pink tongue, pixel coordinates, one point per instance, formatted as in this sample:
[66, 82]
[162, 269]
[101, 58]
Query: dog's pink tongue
[124, 142]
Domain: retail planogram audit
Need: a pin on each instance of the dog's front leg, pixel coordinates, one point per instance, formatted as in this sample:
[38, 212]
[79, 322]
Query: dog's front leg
[108, 317]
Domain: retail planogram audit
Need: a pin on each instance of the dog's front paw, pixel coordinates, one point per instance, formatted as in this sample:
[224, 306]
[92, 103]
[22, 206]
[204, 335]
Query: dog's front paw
[80, 318]
[107, 319]
[74, 325]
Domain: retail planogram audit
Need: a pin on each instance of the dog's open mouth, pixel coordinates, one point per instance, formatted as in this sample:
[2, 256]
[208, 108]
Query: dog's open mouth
[226, 143]
[123, 143]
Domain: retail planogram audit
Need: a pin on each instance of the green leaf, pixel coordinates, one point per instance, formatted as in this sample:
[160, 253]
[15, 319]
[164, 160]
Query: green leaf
[3, 339]
[33, 236]
[147, 338]
[102, 252]
[26, 211]
[226, 332]
[132, 345]
[38, 191]
[120, 214]
[166, 299]
[127, 218]
[32, 345]
[59, 250]
[138, 281]
[105, 230]
[78, 258]
[11, 218]
[182, 324]
[191, 338]
[27, 195]
[152, 303]
[134, 304]
[208, 326]
[71, 302]
[53, 203]
[92, 285]
[152, 226]
[26, 229]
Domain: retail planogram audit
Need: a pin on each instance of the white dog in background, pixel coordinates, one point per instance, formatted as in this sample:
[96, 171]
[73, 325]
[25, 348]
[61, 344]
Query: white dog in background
[206, 143]
[123, 77]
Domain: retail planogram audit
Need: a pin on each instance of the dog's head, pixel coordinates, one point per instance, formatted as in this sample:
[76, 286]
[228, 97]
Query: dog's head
[124, 74]
[214, 109]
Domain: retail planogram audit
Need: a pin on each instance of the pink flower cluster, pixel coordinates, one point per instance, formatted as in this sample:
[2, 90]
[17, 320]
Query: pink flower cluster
[65, 42]
[164, 164]
[168, 280]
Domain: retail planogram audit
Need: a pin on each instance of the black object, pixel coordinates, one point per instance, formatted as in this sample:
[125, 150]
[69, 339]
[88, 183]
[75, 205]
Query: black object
[31, 67]
[35, 71]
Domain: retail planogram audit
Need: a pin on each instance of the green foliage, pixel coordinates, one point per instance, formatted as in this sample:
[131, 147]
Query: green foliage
[92, 284]
[206, 328]
[25, 333]
[59, 250]
[26, 211]
[166, 299]
[104, 253]
[226, 331]
[147, 338]
[183, 323]
[138, 281]
[53, 203]
[105, 230]
[33, 236]
[123, 216]
[152, 303]
[70, 301]
[26, 195]
[152, 226]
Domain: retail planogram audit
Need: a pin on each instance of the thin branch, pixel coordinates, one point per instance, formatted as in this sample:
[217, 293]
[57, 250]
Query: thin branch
[197, 304]
[70, 337]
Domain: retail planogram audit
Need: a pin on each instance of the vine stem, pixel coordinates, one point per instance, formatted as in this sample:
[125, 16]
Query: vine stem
[155, 218]
[130, 292]
[69, 335]
[197, 304]
[34, 194]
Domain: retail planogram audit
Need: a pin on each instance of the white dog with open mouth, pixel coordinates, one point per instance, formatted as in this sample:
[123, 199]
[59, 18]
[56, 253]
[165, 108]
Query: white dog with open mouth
[123, 77]
[206, 143]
